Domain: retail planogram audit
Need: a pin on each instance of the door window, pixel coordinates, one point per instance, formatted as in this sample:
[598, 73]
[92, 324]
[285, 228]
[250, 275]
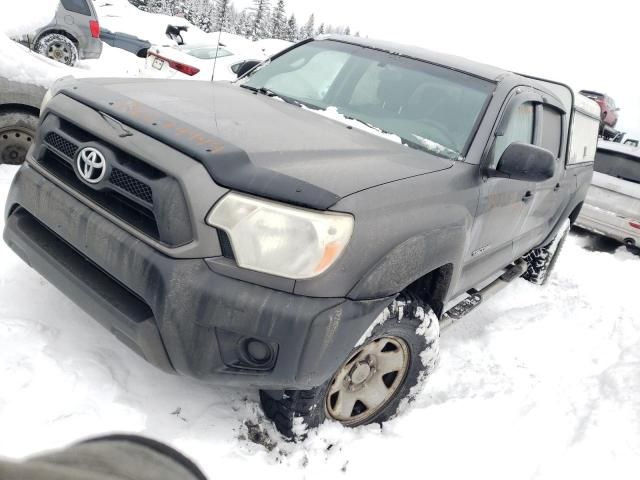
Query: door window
[551, 130]
[77, 6]
[519, 129]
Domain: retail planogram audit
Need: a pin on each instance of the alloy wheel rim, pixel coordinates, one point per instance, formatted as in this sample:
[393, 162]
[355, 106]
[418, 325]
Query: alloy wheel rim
[60, 52]
[368, 381]
[14, 144]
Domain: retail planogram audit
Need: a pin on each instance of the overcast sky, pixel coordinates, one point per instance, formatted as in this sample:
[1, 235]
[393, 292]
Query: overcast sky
[587, 44]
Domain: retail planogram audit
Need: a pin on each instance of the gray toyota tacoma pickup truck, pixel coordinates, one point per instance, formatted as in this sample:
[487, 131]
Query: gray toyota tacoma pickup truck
[307, 229]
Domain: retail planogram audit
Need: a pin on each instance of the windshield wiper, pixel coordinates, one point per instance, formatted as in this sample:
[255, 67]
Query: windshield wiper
[272, 94]
[249, 87]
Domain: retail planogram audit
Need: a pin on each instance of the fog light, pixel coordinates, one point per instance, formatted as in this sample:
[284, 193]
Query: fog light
[246, 353]
[258, 352]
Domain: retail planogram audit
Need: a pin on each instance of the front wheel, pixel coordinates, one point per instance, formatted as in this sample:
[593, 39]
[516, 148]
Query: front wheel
[398, 355]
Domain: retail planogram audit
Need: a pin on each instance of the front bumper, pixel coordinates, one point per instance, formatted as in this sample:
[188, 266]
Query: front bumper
[177, 313]
[609, 224]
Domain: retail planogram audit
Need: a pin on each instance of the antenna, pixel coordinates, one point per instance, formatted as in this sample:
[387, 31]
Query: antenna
[223, 14]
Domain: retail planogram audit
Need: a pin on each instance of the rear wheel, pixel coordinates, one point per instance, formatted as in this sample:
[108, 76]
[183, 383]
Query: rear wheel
[17, 131]
[541, 261]
[57, 47]
[371, 384]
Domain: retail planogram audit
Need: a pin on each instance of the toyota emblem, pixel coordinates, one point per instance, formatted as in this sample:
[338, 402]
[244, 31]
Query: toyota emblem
[91, 165]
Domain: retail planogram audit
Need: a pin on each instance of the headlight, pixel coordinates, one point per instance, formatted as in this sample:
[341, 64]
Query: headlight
[281, 240]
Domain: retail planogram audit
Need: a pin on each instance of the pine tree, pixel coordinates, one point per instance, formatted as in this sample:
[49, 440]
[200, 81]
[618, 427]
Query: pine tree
[292, 29]
[279, 21]
[153, 6]
[254, 23]
[245, 24]
[223, 16]
[141, 4]
[308, 29]
[260, 28]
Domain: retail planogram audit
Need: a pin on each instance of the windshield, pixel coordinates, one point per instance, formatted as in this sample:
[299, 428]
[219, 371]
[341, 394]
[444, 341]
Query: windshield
[427, 107]
[204, 52]
[619, 165]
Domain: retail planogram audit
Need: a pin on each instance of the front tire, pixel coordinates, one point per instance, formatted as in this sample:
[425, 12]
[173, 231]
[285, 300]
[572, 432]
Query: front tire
[57, 47]
[541, 261]
[399, 354]
[17, 131]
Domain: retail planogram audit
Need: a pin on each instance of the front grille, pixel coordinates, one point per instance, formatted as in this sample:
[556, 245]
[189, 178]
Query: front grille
[132, 185]
[61, 144]
[119, 205]
[134, 191]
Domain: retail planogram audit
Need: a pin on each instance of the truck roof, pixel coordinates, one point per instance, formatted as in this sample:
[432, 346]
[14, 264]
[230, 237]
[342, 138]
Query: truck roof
[477, 69]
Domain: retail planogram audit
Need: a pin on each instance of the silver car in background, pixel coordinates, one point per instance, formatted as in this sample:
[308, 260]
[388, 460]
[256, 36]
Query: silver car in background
[72, 35]
[612, 206]
[19, 111]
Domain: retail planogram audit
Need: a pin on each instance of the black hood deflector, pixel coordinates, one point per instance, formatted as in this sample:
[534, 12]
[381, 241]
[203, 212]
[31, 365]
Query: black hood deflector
[228, 165]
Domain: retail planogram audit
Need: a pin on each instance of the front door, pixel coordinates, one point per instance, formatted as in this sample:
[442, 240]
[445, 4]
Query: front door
[553, 195]
[503, 203]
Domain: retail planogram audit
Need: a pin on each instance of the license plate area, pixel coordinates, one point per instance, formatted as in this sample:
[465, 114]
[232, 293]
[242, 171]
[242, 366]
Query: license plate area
[158, 63]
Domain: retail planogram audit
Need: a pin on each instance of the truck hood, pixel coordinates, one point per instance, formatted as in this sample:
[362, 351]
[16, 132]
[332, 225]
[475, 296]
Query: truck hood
[260, 134]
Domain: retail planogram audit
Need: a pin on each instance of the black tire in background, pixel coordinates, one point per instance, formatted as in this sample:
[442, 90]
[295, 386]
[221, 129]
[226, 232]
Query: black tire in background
[410, 331]
[57, 47]
[17, 132]
[541, 261]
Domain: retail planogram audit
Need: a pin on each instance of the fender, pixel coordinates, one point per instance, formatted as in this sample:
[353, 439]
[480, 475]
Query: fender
[19, 95]
[64, 33]
[428, 251]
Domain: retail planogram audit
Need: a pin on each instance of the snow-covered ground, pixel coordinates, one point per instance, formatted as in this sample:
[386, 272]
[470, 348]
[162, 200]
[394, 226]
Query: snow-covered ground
[121, 16]
[19, 64]
[537, 383]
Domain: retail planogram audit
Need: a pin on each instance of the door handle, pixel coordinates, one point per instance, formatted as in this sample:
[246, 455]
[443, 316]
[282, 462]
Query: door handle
[557, 187]
[527, 196]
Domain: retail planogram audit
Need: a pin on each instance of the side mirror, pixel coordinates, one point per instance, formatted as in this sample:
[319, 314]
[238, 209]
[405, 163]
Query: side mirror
[246, 66]
[522, 161]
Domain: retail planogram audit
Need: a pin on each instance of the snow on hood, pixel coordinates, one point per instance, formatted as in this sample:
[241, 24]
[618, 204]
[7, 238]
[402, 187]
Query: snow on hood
[332, 113]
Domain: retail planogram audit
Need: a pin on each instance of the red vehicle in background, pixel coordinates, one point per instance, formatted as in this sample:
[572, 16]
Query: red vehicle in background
[608, 109]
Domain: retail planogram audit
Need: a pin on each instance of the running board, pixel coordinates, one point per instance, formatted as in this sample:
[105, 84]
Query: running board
[475, 298]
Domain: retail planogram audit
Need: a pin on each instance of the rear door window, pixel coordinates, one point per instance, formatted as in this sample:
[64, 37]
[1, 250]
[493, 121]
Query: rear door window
[619, 165]
[551, 130]
[77, 6]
